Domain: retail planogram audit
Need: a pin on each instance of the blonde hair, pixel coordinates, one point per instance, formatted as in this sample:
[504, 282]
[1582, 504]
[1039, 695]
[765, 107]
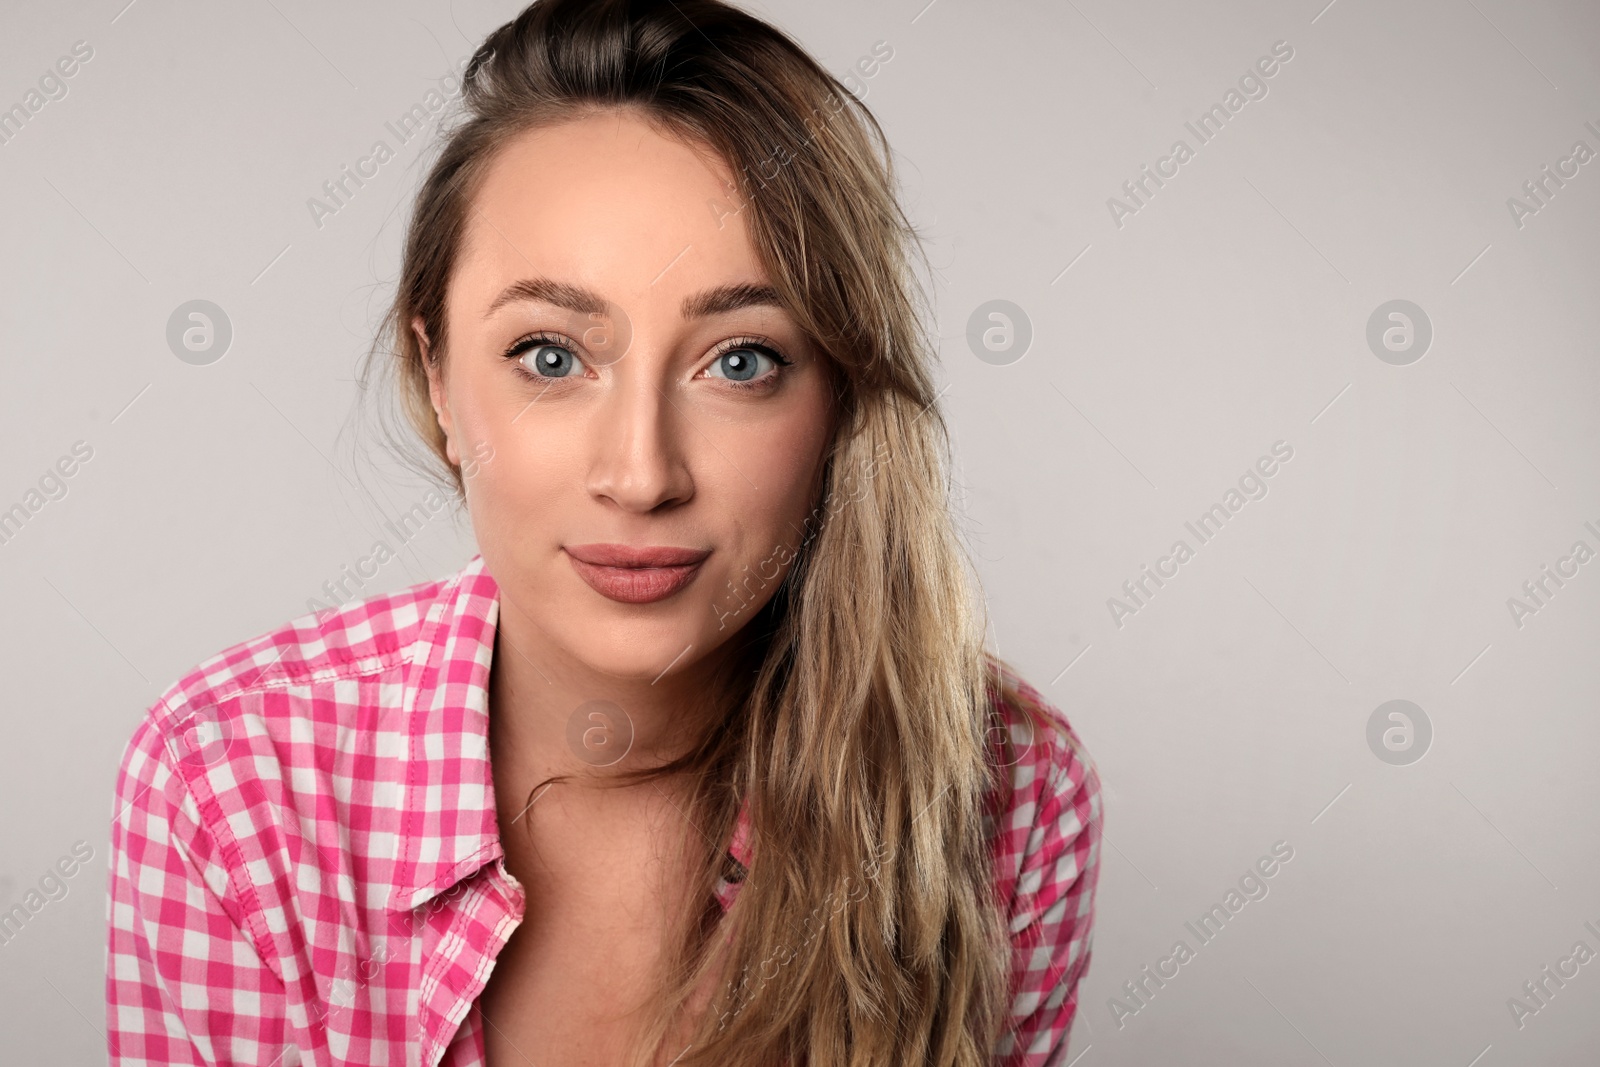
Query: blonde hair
[862, 714]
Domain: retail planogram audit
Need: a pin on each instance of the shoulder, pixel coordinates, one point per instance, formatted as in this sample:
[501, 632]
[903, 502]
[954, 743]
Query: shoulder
[1047, 850]
[245, 712]
[272, 744]
[1048, 829]
[359, 637]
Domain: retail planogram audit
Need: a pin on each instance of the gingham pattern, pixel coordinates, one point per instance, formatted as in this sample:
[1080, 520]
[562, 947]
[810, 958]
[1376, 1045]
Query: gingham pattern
[306, 867]
[1047, 865]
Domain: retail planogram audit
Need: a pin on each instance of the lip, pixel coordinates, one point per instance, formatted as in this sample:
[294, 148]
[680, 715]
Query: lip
[636, 574]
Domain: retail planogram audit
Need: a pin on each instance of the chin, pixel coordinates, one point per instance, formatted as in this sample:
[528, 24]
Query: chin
[640, 647]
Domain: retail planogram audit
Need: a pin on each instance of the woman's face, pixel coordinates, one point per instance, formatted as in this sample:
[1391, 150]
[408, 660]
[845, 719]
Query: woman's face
[618, 378]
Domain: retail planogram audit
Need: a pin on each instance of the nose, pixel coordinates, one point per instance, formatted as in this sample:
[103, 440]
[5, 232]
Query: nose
[638, 459]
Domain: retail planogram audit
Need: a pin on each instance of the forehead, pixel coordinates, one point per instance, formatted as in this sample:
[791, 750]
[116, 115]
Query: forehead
[613, 202]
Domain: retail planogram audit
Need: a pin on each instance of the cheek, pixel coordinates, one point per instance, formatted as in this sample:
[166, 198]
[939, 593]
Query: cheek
[507, 454]
[473, 418]
[783, 459]
[784, 467]
[526, 476]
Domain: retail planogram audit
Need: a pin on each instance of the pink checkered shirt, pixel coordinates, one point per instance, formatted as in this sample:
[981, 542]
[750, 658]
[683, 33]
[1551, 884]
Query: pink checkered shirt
[306, 866]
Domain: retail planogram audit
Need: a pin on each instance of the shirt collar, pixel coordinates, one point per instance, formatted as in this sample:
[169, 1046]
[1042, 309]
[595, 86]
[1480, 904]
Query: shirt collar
[448, 829]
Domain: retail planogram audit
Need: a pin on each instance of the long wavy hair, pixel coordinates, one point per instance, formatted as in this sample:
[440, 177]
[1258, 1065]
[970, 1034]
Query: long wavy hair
[862, 714]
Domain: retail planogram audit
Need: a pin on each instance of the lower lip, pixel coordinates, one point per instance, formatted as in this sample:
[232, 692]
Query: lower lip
[635, 585]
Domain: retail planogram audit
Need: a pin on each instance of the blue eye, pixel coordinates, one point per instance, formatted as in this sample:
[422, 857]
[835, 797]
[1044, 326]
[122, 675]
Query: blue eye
[548, 359]
[742, 363]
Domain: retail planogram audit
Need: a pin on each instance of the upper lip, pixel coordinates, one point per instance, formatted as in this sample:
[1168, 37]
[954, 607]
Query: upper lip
[615, 555]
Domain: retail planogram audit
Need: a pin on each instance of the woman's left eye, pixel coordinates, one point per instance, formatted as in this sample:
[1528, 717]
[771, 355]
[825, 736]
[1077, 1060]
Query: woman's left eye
[744, 363]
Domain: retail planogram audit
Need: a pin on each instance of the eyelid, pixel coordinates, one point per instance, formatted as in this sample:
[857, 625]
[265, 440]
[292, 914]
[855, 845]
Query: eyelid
[756, 341]
[540, 338]
[528, 342]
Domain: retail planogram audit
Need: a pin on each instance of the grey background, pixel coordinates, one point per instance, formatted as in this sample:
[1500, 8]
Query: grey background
[1230, 312]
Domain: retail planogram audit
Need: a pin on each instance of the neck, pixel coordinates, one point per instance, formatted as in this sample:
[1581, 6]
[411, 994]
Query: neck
[552, 714]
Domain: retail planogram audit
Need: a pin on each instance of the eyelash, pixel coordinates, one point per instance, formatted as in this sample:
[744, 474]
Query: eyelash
[755, 343]
[532, 341]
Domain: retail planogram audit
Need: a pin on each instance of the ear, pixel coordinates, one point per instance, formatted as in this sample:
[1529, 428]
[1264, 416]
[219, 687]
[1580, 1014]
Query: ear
[436, 391]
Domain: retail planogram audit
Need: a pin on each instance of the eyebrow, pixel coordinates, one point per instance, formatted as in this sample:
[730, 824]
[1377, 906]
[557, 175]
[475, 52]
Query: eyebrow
[713, 301]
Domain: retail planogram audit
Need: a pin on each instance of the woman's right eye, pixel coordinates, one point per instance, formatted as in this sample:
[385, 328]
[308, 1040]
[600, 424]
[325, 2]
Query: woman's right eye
[549, 359]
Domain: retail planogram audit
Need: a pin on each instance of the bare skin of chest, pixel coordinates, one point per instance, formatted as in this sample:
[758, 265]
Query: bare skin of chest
[601, 879]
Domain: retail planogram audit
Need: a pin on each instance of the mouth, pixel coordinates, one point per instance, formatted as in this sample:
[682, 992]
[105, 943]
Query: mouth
[636, 574]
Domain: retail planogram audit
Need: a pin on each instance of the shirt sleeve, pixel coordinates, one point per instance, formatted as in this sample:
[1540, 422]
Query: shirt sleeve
[1052, 915]
[184, 982]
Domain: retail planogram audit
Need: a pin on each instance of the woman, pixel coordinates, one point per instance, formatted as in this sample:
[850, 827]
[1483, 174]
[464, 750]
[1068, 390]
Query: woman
[759, 794]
